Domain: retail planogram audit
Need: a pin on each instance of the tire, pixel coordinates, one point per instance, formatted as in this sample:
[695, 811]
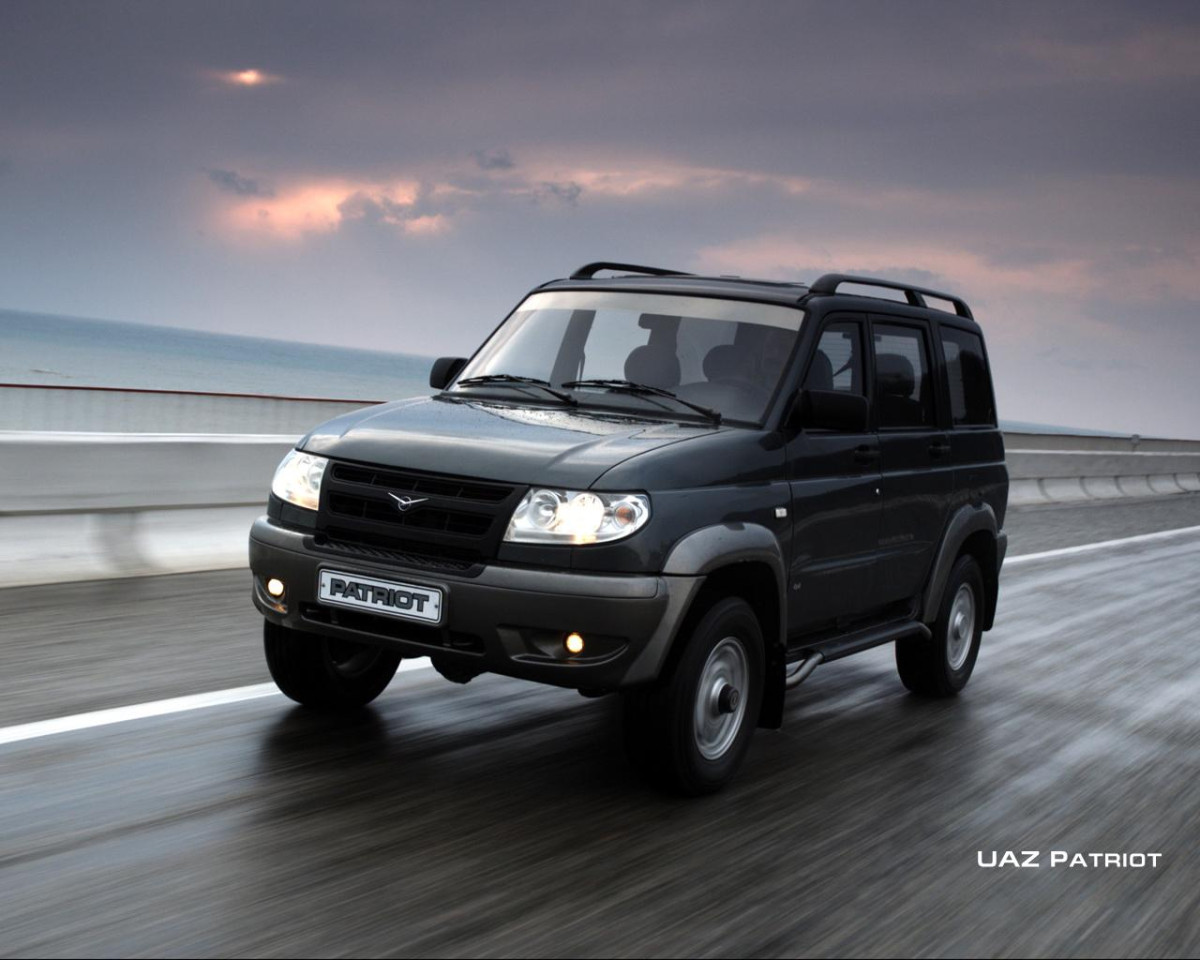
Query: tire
[689, 732]
[941, 668]
[325, 673]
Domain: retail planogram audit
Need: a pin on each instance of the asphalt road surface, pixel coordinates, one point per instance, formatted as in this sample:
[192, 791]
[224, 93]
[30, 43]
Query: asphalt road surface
[500, 818]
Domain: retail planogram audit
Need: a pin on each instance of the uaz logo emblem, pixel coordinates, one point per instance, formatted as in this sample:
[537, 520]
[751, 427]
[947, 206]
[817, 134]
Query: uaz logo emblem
[404, 504]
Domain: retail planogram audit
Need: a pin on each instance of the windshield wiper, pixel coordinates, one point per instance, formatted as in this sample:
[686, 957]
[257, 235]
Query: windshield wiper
[628, 386]
[509, 380]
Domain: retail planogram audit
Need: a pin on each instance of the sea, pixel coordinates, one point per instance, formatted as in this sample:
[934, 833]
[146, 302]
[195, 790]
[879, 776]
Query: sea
[38, 348]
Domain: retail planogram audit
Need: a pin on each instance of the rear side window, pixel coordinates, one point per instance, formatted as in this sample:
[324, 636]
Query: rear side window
[970, 382]
[903, 387]
[837, 364]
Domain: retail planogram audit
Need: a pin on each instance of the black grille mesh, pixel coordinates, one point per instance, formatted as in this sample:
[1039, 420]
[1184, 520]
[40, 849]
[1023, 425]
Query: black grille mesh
[457, 519]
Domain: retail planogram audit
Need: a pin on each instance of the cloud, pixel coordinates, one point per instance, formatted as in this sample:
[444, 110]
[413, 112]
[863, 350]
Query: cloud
[416, 213]
[568, 192]
[231, 182]
[493, 159]
[631, 176]
[1142, 56]
[432, 197]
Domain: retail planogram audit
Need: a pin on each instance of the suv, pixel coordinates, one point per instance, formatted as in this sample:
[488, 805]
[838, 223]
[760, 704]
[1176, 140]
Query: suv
[687, 490]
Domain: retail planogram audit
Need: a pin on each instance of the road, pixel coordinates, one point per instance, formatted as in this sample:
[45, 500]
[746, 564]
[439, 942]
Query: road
[500, 818]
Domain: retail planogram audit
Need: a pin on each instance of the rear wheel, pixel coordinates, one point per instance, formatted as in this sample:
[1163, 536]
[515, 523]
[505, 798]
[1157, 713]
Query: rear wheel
[691, 730]
[942, 667]
[323, 672]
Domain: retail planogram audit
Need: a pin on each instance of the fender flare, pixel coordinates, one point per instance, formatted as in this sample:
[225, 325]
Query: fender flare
[965, 521]
[720, 545]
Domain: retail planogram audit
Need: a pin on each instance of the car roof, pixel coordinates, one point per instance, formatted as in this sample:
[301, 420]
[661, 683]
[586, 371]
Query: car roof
[731, 288]
[794, 294]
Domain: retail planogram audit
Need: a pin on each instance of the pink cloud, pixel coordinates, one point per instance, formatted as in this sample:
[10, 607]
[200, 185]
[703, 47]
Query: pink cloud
[1022, 298]
[321, 204]
[306, 207]
[632, 177]
[1150, 55]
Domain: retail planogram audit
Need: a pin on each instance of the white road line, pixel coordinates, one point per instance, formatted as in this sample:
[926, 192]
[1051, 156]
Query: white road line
[217, 698]
[156, 708]
[1100, 545]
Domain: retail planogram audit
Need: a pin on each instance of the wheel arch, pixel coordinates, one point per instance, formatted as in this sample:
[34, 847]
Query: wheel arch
[743, 560]
[972, 530]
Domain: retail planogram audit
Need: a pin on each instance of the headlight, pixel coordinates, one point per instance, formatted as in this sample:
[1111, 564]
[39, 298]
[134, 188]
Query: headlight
[298, 479]
[576, 516]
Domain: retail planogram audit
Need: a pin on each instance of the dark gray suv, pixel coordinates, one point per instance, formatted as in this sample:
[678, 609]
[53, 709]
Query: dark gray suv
[686, 490]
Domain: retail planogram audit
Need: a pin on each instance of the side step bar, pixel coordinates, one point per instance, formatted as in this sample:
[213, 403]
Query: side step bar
[844, 646]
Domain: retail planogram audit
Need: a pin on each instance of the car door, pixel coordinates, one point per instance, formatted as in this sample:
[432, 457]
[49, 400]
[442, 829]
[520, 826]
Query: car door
[835, 505]
[977, 447]
[917, 471]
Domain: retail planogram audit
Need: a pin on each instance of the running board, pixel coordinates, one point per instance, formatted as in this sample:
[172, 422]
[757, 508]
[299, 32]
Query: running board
[837, 647]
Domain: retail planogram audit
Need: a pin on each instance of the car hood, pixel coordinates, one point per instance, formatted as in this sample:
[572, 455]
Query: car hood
[495, 441]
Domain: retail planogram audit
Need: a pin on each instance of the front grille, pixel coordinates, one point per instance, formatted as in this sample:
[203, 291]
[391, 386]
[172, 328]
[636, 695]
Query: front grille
[422, 484]
[460, 520]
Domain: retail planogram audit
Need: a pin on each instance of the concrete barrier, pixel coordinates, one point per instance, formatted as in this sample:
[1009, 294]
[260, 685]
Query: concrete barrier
[83, 506]
[1065, 468]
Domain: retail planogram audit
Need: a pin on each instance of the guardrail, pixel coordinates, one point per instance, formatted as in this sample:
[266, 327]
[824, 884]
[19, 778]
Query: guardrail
[87, 505]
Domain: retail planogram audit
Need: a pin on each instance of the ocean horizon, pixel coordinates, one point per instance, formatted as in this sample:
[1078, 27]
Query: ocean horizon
[56, 350]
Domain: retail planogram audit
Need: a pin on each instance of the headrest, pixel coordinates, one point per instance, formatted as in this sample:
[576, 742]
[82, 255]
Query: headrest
[728, 362]
[820, 374]
[655, 366]
[894, 375]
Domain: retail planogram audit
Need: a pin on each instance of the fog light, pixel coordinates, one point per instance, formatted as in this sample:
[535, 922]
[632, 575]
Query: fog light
[275, 587]
[574, 644]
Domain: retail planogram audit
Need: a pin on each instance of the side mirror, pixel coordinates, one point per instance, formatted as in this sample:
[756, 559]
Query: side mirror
[444, 370]
[831, 410]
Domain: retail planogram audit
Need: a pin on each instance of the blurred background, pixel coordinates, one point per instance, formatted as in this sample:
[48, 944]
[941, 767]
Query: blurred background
[222, 223]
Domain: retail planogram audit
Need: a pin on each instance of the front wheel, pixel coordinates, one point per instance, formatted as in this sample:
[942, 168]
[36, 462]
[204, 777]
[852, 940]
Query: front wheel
[326, 673]
[691, 730]
[942, 667]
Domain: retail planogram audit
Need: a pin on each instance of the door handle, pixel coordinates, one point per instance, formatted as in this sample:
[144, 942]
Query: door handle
[866, 454]
[939, 448]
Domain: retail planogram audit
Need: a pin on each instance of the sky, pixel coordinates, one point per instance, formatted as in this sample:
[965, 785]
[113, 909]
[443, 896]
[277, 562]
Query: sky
[398, 175]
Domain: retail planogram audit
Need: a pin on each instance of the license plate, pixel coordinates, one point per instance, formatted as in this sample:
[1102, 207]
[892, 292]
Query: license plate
[392, 599]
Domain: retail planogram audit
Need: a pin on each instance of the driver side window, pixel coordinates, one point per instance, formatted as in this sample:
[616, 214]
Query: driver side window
[837, 363]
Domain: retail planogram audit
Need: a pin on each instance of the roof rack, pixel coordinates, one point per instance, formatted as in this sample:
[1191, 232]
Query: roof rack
[829, 283]
[589, 270]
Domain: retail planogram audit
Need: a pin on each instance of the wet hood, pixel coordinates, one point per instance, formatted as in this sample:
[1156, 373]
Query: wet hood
[495, 441]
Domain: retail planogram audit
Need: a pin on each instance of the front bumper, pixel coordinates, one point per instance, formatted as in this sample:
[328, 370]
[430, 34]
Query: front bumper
[506, 620]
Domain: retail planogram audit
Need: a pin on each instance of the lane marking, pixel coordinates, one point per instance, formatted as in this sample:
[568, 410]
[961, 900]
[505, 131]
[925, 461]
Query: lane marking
[1099, 545]
[157, 708]
[217, 698]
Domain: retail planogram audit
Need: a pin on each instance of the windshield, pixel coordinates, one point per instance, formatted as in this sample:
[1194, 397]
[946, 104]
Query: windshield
[724, 355]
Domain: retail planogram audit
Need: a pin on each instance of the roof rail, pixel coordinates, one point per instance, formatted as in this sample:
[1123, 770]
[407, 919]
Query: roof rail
[829, 283]
[589, 270]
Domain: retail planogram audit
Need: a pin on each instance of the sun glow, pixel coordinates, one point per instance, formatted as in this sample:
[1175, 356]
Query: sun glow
[248, 78]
